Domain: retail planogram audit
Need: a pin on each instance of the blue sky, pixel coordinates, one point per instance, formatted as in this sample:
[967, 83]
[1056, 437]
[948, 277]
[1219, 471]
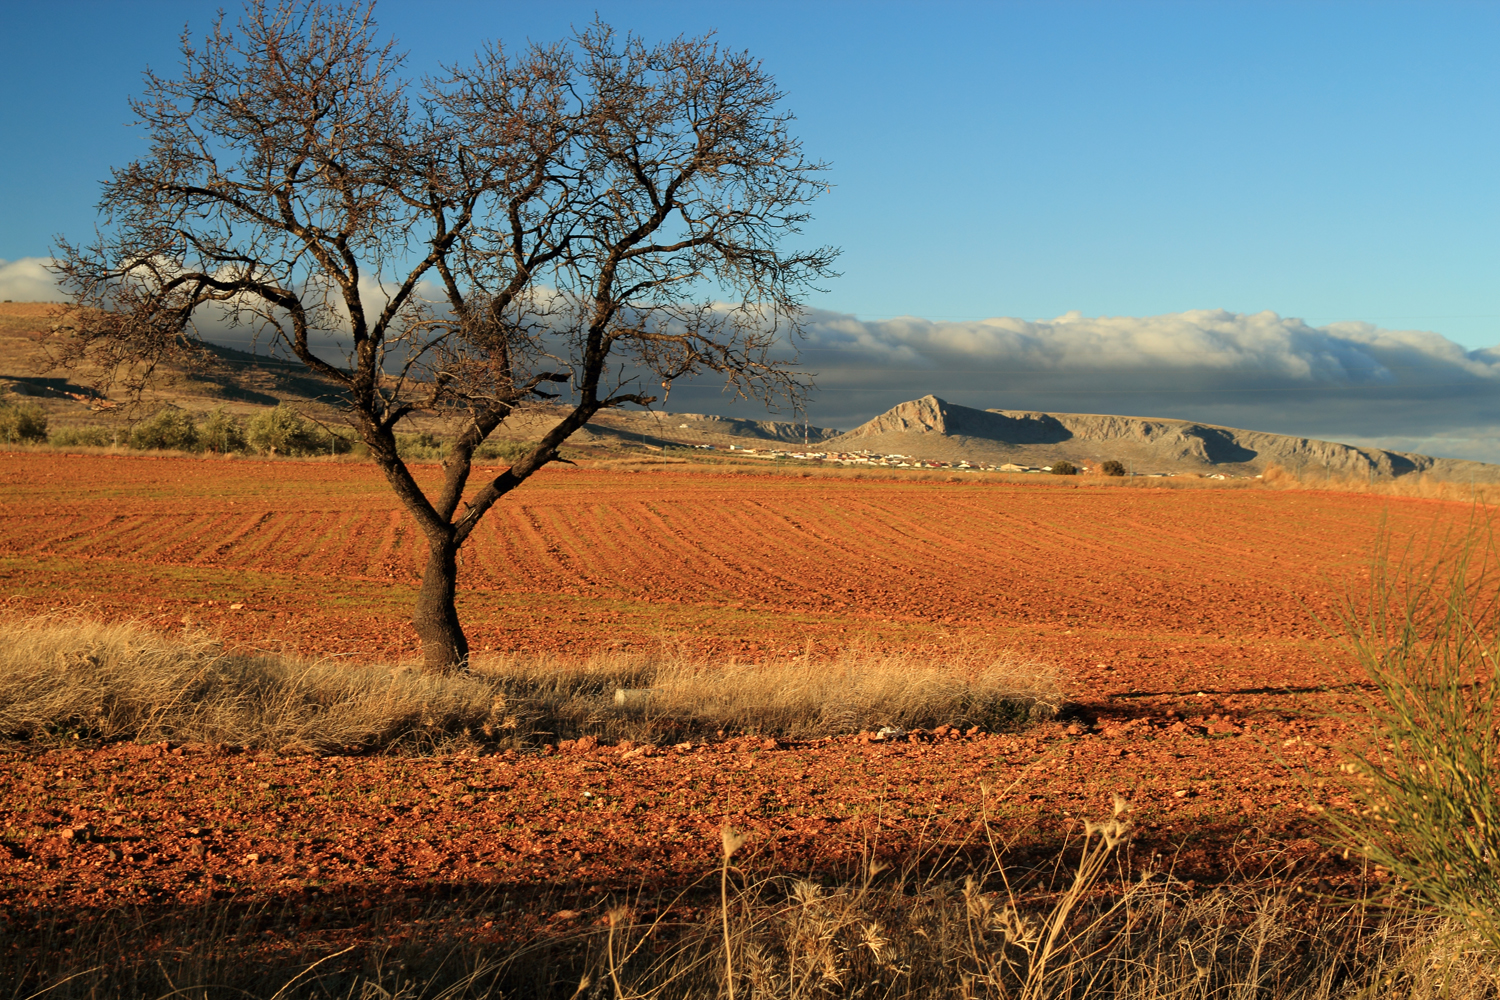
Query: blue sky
[1325, 161]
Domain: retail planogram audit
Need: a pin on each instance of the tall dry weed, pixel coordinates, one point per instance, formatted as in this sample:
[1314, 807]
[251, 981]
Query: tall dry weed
[791, 938]
[901, 931]
[1098, 930]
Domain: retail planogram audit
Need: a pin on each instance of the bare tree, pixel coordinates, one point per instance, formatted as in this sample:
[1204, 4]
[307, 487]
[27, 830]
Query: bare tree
[596, 217]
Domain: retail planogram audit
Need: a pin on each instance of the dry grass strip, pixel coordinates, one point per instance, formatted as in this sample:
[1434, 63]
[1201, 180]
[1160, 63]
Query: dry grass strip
[63, 679]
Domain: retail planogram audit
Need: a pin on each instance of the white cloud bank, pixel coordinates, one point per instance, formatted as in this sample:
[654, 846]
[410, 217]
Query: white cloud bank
[28, 280]
[1353, 382]
[1208, 340]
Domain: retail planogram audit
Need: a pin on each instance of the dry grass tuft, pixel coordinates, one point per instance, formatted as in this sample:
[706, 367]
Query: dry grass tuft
[64, 679]
[671, 697]
[72, 679]
[1422, 486]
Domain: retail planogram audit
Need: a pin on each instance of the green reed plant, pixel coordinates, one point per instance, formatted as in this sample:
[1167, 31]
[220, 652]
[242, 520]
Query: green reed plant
[1427, 807]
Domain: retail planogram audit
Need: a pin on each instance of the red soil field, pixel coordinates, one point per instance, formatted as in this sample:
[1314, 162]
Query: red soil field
[1212, 584]
[1184, 622]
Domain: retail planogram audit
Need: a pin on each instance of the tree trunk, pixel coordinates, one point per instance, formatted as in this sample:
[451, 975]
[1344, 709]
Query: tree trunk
[444, 648]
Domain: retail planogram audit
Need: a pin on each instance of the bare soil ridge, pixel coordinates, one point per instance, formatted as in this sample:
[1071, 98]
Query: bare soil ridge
[936, 430]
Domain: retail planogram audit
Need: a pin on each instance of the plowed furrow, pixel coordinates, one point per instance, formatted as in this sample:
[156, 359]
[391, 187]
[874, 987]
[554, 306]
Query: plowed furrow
[383, 562]
[138, 536]
[997, 558]
[194, 538]
[319, 542]
[304, 543]
[242, 526]
[519, 559]
[359, 538]
[257, 549]
[101, 540]
[714, 536]
[66, 530]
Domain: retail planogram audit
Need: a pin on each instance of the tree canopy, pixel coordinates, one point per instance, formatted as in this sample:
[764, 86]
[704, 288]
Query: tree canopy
[580, 223]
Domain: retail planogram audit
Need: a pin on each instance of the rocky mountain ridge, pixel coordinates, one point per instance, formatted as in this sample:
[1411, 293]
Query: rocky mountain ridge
[936, 430]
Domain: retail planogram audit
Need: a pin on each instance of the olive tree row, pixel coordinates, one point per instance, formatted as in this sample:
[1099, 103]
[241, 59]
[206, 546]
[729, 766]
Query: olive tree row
[578, 223]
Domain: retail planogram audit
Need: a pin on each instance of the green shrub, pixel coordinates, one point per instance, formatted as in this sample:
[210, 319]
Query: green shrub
[1064, 469]
[1112, 468]
[284, 431]
[1428, 809]
[166, 429]
[423, 445]
[221, 433]
[22, 422]
[510, 450]
[91, 436]
[505, 449]
[427, 445]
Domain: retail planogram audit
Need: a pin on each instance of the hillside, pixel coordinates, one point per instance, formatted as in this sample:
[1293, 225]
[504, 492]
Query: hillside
[935, 430]
[928, 428]
[244, 383]
[239, 381]
[658, 428]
